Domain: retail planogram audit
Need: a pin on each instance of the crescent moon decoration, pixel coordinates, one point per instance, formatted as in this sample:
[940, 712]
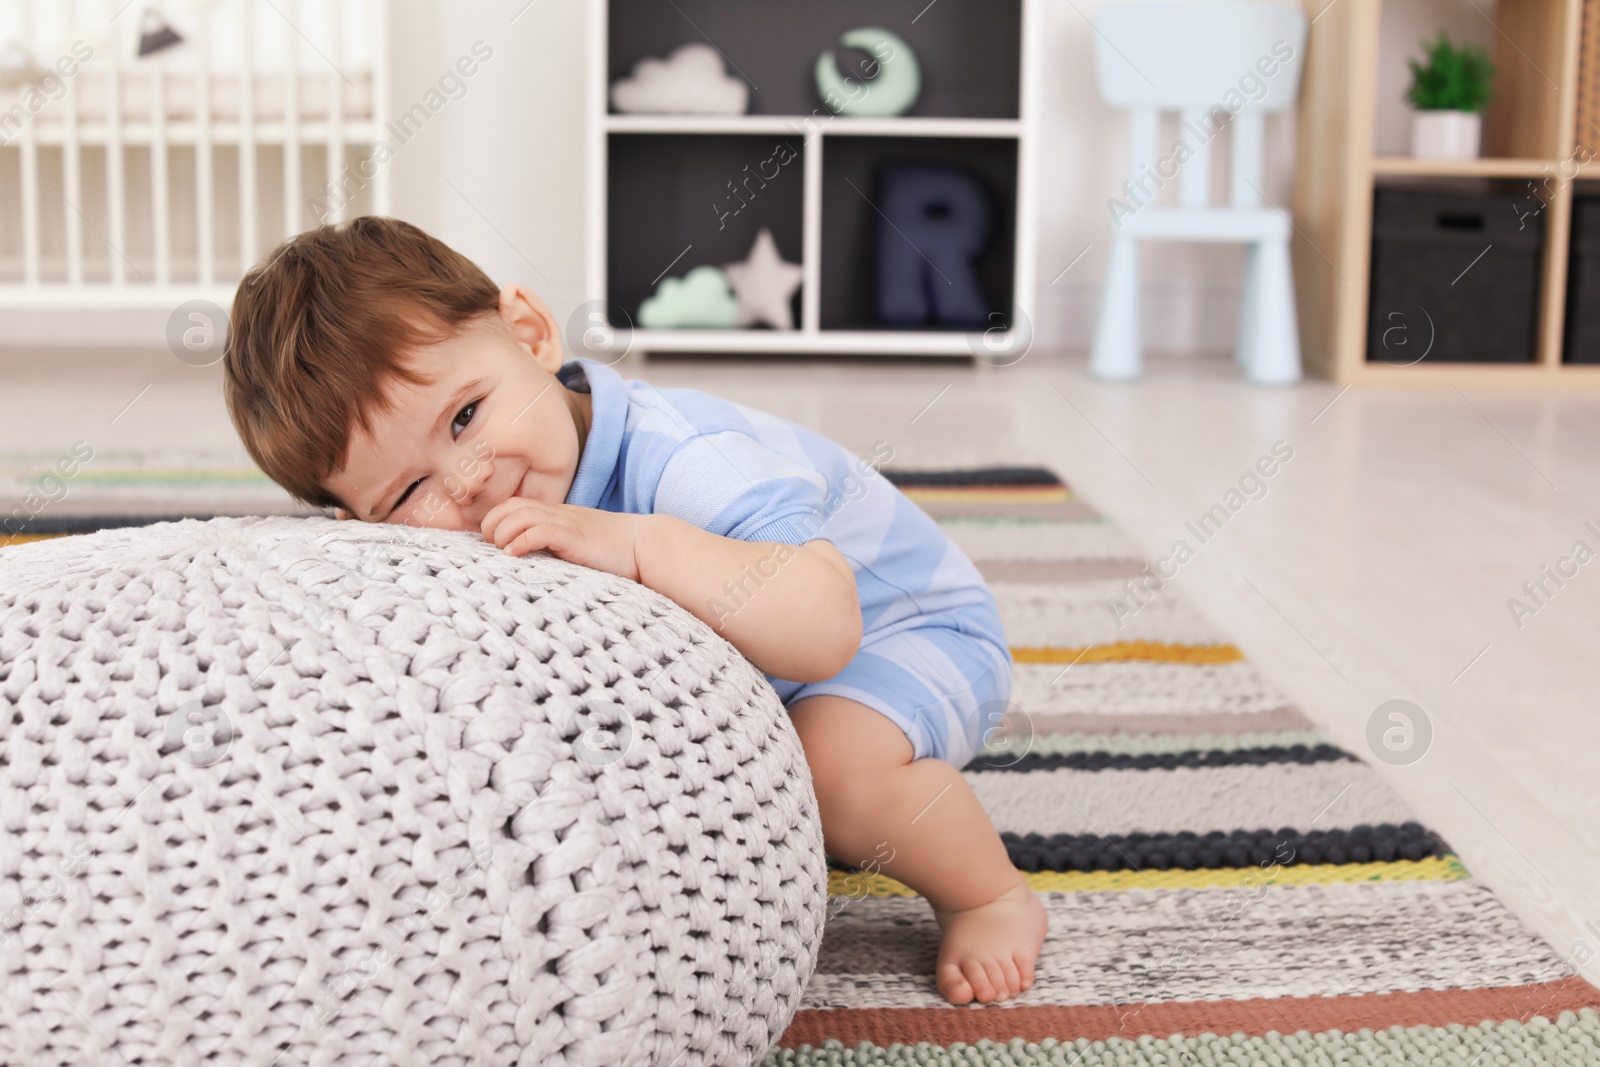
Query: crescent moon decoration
[891, 92]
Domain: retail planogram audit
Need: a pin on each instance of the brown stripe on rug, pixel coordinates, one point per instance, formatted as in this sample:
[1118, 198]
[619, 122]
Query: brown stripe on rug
[1374, 1011]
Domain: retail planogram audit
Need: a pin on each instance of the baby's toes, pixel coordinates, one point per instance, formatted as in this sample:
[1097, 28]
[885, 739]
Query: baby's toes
[1024, 970]
[1013, 978]
[953, 985]
[983, 984]
[997, 978]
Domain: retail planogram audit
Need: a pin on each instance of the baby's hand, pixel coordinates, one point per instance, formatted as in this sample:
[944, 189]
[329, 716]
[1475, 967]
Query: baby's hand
[604, 540]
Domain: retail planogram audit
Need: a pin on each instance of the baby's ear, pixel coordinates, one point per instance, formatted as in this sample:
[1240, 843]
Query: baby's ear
[533, 326]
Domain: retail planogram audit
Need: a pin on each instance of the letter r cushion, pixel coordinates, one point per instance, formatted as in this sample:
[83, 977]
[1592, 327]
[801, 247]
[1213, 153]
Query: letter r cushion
[367, 794]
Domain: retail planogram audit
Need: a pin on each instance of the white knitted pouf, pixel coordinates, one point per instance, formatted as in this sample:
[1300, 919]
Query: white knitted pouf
[294, 791]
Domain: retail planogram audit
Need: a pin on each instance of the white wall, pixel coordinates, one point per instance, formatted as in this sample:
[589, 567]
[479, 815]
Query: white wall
[510, 165]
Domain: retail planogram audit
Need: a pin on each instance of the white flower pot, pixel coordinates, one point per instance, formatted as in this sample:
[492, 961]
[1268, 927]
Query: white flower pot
[1445, 134]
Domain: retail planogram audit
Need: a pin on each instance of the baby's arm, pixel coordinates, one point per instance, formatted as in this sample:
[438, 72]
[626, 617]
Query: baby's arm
[792, 611]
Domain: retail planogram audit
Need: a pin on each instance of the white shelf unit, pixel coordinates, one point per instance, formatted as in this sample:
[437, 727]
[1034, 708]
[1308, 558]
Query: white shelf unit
[817, 129]
[901, 126]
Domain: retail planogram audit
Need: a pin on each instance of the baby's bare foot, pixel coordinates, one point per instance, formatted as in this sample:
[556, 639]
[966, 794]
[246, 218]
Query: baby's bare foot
[987, 952]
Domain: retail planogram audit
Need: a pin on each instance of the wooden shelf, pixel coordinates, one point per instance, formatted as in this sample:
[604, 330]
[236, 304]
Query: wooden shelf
[1464, 168]
[1529, 132]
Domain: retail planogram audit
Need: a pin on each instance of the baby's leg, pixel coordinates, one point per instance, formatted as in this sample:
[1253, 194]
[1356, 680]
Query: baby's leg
[875, 801]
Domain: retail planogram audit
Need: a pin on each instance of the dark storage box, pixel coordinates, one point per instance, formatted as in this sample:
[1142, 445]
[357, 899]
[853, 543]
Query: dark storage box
[1454, 275]
[1582, 340]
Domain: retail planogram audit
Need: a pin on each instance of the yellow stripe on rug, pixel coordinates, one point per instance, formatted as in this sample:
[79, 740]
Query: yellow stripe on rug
[1130, 651]
[1432, 869]
[19, 539]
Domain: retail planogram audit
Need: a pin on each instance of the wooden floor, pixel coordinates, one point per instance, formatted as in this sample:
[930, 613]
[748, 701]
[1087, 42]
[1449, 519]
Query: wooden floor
[1377, 566]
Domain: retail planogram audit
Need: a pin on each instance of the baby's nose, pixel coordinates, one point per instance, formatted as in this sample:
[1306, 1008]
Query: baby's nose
[474, 475]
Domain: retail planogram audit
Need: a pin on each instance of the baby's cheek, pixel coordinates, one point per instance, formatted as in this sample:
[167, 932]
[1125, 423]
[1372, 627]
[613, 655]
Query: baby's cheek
[431, 510]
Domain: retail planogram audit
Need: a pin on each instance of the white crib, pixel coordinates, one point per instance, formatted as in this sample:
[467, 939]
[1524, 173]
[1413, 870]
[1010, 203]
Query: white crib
[146, 181]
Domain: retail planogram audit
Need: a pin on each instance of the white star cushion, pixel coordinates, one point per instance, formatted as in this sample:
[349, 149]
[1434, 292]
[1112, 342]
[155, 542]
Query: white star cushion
[764, 283]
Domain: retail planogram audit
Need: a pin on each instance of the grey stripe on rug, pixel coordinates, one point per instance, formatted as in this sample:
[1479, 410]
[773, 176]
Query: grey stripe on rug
[1313, 796]
[1219, 722]
[1092, 539]
[1037, 615]
[1160, 742]
[1142, 687]
[1059, 570]
[1204, 944]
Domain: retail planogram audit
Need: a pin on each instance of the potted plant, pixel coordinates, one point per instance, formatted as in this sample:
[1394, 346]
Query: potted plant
[1449, 92]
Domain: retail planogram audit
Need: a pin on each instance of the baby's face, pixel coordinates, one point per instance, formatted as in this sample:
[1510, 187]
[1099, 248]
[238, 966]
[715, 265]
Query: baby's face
[496, 424]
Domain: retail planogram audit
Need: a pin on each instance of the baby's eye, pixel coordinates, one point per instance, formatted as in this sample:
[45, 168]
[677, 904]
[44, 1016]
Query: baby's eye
[468, 411]
[402, 498]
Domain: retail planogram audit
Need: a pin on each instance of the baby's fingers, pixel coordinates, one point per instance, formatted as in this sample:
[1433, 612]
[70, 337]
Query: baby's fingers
[510, 523]
[509, 517]
[541, 535]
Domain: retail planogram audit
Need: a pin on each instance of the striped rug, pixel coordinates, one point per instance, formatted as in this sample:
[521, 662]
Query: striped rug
[47, 494]
[1225, 886]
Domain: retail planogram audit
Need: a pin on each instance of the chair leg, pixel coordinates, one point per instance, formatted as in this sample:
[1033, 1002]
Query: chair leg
[1116, 335]
[1249, 306]
[1274, 356]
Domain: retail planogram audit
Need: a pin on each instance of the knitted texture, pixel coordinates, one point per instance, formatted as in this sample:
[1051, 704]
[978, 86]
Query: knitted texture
[358, 794]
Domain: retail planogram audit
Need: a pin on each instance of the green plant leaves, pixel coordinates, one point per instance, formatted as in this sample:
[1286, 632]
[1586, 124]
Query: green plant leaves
[1455, 79]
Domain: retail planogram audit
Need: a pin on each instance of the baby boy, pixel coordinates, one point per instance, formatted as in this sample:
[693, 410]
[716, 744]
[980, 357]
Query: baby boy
[373, 370]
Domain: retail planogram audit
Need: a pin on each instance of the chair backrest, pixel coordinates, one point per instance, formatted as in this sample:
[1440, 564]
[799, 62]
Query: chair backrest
[1217, 62]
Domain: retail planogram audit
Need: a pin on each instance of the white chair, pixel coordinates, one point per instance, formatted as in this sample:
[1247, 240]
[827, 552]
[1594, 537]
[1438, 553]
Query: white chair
[1219, 63]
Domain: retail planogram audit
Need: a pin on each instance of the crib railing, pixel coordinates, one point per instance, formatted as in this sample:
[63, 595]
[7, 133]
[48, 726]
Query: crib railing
[143, 181]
